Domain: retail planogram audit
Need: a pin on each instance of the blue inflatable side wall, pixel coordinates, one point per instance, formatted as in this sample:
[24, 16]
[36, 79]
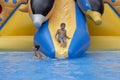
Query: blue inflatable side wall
[81, 39]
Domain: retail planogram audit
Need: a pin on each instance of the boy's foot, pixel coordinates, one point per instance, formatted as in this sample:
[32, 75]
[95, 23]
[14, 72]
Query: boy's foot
[36, 58]
[95, 16]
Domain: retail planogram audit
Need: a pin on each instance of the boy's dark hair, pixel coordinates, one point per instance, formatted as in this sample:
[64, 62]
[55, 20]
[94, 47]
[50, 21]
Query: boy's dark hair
[62, 24]
[37, 47]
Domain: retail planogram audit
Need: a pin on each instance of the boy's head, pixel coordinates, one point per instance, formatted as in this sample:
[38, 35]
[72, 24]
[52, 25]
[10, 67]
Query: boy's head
[37, 47]
[62, 25]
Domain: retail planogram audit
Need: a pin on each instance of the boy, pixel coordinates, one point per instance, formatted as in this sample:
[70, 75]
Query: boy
[62, 36]
[38, 54]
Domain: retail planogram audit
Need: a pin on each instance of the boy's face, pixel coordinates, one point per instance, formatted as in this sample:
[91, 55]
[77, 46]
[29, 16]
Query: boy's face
[63, 27]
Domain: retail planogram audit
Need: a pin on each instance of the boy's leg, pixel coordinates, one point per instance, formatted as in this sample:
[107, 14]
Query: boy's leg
[61, 42]
[38, 54]
[64, 41]
[42, 55]
[58, 40]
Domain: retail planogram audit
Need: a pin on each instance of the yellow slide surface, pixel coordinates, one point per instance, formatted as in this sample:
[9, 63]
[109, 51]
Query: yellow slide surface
[63, 13]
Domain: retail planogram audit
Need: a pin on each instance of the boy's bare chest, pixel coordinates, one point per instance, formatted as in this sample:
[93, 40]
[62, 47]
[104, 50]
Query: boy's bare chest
[62, 31]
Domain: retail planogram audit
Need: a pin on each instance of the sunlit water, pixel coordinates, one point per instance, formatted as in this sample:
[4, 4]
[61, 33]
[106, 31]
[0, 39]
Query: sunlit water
[91, 66]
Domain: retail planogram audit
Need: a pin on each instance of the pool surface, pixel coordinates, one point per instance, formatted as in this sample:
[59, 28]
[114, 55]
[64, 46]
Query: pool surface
[92, 66]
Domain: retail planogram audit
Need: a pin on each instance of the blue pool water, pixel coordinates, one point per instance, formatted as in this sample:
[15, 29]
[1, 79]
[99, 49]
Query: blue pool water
[91, 66]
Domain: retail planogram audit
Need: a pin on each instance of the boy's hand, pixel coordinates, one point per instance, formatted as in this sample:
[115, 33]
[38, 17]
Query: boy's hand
[34, 48]
[69, 38]
[55, 37]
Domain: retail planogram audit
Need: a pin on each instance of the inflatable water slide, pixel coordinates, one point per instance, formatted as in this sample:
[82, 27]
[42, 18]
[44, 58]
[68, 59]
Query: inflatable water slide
[17, 29]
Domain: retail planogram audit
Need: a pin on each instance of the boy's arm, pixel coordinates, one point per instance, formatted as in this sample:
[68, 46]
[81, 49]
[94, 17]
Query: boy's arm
[66, 35]
[56, 33]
